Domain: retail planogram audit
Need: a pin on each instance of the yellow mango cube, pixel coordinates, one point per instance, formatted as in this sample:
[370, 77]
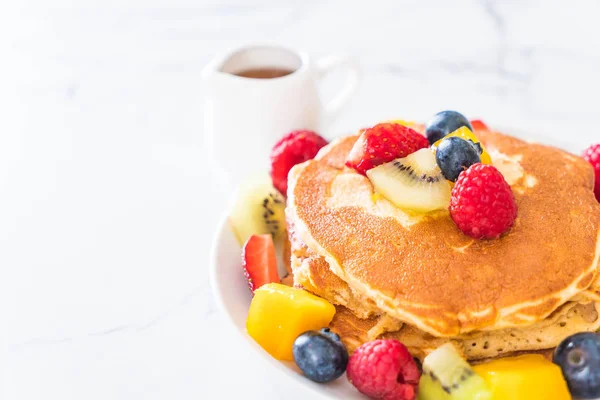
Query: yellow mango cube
[279, 314]
[465, 133]
[525, 377]
[402, 122]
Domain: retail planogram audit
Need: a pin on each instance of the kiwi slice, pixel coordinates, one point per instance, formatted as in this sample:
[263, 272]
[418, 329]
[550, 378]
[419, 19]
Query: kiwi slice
[257, 208]
[413, 183]
[447, 376]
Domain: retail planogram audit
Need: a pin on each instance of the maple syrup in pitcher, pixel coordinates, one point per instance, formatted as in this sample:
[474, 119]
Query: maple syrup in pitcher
[264, 73]
[255, 95]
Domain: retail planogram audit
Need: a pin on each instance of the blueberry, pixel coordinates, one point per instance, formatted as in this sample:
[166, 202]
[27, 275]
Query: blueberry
[332, 335]
[444, 123]
[579, 358]
[454, 155]
[320, 355]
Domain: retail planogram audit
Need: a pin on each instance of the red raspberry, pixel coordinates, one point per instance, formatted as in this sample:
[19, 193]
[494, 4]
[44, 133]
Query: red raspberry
[592, 155]
[384, 143]
[482, 204]
[384, 369]
[479, 125]
[294, 148]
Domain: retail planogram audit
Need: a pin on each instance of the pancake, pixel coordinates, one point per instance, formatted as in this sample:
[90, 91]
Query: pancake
[541, 337]
[359, 251]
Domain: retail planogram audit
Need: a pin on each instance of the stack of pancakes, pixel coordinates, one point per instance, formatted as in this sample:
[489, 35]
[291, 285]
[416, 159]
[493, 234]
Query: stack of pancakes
[417, 278]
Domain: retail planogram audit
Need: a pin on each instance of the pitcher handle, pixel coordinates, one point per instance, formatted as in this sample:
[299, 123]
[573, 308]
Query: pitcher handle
[326, 65]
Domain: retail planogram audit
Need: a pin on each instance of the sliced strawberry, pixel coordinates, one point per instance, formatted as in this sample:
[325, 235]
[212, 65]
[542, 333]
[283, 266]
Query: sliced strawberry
[479, 125]
[259, 262]
[383, 143]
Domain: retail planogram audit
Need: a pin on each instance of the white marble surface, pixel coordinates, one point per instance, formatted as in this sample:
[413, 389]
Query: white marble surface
[107, 205]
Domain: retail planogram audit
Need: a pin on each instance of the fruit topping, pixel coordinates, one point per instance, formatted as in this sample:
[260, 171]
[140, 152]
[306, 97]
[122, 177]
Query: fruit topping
[578, 356]
[592, 155]
[384, 369]
[403, 122]
[447, 376]
[257, 208]
[279, 314]
[259, 261]
[464, 133]
[294, 148]
[525, 377]
[482, 204]
[444, 123]
[413, 183]
[454, 155]
[383, 143]
[320, 355]
[479, 125]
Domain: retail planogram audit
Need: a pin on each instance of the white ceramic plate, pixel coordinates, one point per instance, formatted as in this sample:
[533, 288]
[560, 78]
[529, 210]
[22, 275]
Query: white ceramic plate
[233, 296]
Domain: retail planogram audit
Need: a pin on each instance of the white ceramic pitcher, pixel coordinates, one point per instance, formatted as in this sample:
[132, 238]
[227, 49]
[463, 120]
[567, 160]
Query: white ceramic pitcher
[244, 117]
